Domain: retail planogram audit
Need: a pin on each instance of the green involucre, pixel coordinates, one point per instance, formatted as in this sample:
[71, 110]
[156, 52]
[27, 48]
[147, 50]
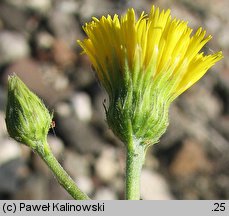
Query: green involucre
[138, 107]
[27, 119]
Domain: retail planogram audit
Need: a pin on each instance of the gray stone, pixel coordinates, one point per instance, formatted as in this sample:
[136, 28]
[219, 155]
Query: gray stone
[105, 194]
[9, 150]
[143, 5]
[213, 24]
[3, 130]
[89, 8]
[82, 106]
[68, 7]
[56, 145]
[55, 77]
[11, 175]
[44, 40]
[18, 4]
[40, 6]
[18, 19]
[3, 97]
[107, 166]
[85, 184]
[223, 126]
[118, 185]
[79, 135]
[186, 15]
[64, 27]
[199, 109]
[56, 191]
[223, 36]
[76, 164]
[36, 187]
[83, 76]
[63, 109]
[13, 46]
[154, 186]
[41, 167]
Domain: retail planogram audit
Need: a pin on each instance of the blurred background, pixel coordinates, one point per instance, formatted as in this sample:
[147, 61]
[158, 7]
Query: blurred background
[38, 43]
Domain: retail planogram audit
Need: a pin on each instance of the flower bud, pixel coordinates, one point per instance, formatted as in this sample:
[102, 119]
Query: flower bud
[27, 119]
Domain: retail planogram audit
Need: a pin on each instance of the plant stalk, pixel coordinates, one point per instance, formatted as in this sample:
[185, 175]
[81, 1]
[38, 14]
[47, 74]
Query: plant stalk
[62, 177]
[134, 161]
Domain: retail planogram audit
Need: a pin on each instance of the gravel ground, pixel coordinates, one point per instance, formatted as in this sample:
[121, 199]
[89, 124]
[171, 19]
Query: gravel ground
[38, 42]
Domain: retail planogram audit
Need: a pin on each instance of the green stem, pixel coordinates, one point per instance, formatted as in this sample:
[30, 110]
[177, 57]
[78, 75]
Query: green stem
[134, 161]
[62, 177]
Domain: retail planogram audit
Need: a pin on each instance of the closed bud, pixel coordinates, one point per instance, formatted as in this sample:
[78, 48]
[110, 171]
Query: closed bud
[27, 119]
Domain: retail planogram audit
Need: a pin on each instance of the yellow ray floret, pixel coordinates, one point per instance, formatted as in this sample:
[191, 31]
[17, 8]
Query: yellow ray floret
[154, 46]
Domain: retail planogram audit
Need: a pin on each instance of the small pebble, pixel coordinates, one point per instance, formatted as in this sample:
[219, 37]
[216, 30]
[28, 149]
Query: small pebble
[107, 166]
[85, 184]
[154, 186]
[9, 150]
[40, 6]
[44, 40]
[63, 109]
[82, 106]
[68, 7]
[3, 130]
[75, 164]
[105, 194]
[56, 145]
[13, 46]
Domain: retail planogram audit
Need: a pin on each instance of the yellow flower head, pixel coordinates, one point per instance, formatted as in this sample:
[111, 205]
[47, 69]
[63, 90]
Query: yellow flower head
[144, 64]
